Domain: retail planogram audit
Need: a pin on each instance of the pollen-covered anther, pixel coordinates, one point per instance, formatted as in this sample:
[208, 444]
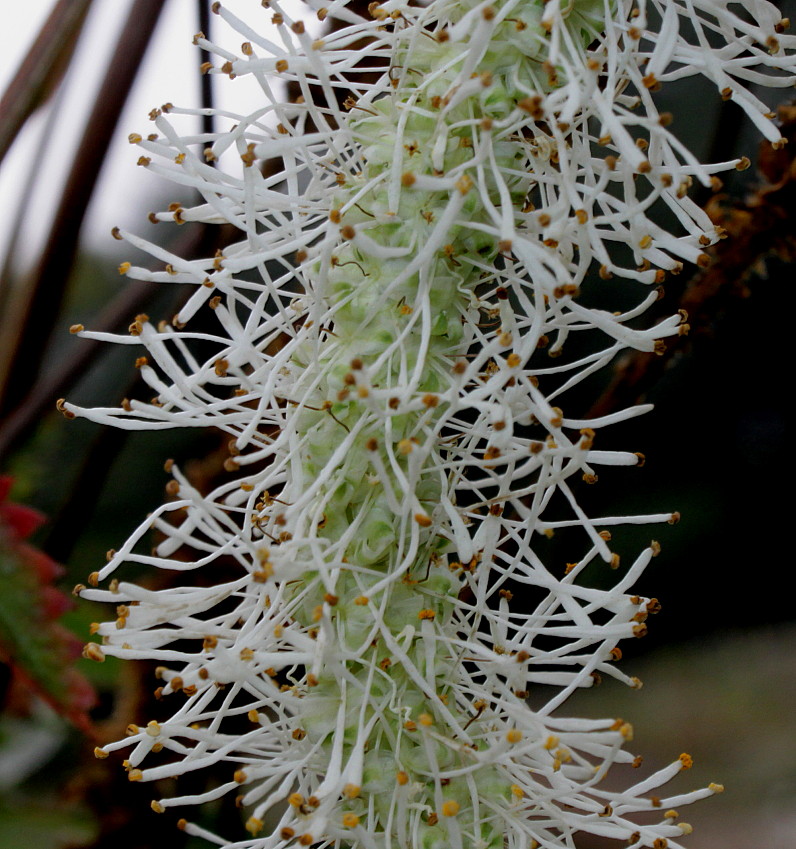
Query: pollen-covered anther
[686, 761]
[514, 735]
[249, 157]
[450, 808]
[532, 105]
[464, 184]
[92, 651]
[426, 614]
[254, 825]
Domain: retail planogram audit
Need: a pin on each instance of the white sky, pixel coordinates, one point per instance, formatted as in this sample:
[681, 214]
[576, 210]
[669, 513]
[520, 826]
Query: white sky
[169, 73]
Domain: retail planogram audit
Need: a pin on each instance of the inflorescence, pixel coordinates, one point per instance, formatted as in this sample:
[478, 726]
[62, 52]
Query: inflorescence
[389, 358]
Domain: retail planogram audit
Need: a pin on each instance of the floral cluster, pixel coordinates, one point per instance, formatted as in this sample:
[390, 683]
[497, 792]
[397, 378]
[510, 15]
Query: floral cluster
[366, 608]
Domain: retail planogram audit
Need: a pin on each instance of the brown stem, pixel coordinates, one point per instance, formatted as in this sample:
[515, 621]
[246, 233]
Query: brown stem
[757, 228]
[42, 69]
[27, 332]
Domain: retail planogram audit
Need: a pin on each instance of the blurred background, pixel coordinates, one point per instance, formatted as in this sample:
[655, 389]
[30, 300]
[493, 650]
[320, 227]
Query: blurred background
[719, 663]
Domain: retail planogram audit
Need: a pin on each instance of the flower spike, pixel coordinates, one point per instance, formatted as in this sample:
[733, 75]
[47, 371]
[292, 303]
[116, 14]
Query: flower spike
[389, 357]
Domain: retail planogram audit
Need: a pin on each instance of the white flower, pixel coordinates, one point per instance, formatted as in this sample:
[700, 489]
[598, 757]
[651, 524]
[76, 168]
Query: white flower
[382, 360]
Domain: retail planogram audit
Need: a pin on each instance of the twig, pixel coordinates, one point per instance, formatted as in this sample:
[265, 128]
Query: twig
[44, 296]
[42, 69]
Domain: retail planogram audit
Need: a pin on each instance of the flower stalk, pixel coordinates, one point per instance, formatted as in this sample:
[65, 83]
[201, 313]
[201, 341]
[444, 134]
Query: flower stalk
[389, 362]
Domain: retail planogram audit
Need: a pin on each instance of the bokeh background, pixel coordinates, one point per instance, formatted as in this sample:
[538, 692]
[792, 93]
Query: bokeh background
[719, 662]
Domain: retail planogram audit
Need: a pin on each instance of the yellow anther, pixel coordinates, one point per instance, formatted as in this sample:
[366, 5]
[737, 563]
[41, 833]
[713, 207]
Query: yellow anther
[352, 791]
[686, 760]
[464, 184]
[156, 806]
[517, 791]
[135, 775]
[92, 651]
[426, 719]
[350, 820]
[401, 777]
[715, 788]
[514, 736]
[254, 825]
[450, 808]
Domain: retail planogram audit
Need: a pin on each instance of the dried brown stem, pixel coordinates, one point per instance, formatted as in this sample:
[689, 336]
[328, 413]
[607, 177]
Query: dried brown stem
[24, 338]
[42, 69]
[758, 228]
